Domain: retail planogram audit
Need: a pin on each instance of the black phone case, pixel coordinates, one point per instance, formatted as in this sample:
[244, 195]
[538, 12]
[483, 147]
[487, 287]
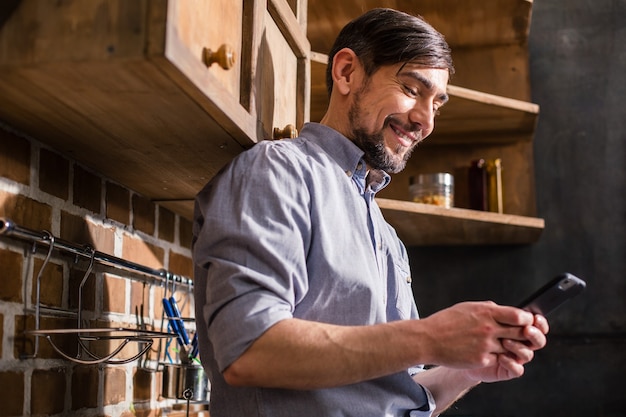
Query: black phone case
[549, 297]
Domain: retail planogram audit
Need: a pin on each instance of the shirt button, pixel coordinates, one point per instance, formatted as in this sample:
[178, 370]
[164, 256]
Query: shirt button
[349, 173]
[358, 167]
[409, 279]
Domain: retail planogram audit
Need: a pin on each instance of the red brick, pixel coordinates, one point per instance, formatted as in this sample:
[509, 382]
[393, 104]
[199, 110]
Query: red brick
[12, 287]
[47, 394]
[87, 189]
[142, 383]
[117, 203]
[181, 264]
[141, 412]
[25, 212]
[114, 294]
[114, 385]
[167, 221]
[14, 157]
[144, 253]
[185, 232]
[51, 287]
[85, 387]
[12, 393]
[139, 296]
[81, 231]
[54, 174]
[143, 214]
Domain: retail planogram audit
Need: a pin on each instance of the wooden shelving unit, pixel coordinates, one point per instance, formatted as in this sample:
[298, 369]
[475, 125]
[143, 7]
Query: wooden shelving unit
[488, 116]
[428, 225]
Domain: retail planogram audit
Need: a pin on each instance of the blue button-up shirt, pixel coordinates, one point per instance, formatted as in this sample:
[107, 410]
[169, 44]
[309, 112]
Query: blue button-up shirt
[291, 229]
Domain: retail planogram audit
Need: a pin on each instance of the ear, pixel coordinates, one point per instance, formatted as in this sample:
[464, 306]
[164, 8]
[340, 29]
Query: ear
[345, 67]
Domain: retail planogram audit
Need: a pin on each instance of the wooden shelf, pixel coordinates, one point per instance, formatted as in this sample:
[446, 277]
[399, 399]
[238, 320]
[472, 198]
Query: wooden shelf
[465, 23]
[428, 225]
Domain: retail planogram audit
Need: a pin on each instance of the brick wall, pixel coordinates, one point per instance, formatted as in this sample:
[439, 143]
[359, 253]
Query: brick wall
[43, 190]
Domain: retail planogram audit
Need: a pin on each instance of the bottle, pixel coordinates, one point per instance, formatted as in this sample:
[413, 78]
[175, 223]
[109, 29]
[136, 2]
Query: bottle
[478, 189]
[436, 189]
[494, 174]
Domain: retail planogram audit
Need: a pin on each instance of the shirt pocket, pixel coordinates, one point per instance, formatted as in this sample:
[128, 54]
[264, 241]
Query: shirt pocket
[405, 304]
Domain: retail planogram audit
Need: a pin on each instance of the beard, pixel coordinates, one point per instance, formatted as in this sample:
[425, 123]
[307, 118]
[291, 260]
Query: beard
[377, 156]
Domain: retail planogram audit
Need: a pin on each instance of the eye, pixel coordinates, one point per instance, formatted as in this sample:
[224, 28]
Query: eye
[437, 108]
[410, 91]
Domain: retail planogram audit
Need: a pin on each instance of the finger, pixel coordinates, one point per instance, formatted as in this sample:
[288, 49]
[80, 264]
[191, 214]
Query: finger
[541, 323]
[511, 368]
[518, 351]
[512, 316]
[536, 339]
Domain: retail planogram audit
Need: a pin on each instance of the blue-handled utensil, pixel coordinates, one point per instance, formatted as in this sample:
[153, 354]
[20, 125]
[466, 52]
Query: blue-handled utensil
[181, 325]
[175, 323]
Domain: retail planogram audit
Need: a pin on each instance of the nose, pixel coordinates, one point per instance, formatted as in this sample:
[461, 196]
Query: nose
[423, 114]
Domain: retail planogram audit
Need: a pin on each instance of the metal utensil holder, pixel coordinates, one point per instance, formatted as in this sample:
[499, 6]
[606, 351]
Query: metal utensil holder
[185, 382]
[85, 336]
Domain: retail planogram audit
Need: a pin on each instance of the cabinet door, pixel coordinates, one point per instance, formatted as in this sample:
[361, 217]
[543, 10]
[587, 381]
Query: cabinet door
[204, 49]
[207, 29]
[282, 78]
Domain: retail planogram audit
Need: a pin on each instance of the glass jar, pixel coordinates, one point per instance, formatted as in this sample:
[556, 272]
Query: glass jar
[436, 189]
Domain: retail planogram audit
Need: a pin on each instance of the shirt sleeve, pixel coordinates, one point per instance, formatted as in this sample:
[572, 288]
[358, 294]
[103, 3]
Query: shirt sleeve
[250, 245]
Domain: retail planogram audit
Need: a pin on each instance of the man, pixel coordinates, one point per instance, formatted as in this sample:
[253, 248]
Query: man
[302, 290]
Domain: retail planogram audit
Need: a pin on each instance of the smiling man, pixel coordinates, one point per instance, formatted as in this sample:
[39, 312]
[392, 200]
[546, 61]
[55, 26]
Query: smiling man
[302, 290]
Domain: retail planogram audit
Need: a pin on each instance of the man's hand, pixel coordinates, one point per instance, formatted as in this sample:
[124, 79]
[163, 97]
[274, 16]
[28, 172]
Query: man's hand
[469, 335]
[510, 364]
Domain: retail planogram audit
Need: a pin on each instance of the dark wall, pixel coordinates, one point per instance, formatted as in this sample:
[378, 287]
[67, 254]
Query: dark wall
[578, 75]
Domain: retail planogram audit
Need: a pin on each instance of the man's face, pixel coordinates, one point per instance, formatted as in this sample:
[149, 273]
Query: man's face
[394, 110]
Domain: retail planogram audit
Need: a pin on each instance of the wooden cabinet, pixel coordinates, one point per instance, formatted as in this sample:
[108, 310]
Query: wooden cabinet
[130, 89]
[489, 116]
[159, 94]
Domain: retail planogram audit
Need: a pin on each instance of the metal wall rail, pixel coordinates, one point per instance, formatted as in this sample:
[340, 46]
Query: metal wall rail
[10, 229]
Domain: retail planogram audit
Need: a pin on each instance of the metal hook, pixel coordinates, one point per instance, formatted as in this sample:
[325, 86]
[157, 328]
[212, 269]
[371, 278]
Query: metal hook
[81, 345]
[49, 237]
[82, 284]
[173, 285]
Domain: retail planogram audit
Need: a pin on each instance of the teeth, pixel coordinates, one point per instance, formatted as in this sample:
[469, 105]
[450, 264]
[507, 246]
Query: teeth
[402, 135]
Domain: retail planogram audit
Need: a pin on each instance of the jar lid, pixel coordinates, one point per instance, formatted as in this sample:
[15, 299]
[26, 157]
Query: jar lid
[435, 178]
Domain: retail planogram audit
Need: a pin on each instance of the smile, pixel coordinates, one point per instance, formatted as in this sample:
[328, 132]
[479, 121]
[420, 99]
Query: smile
[406, 139]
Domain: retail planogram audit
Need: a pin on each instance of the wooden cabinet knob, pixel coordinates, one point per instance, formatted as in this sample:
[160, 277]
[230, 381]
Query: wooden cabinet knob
[224, 57]
[288, 132]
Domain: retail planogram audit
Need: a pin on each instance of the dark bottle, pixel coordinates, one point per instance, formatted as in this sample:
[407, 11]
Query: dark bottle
[477, 180]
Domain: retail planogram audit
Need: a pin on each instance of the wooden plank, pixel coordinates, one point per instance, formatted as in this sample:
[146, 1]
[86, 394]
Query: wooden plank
[279, 79]
[501, 70]
[39, 32]
[290, 27]
[473, 113]
[423, 224]
[465, 23]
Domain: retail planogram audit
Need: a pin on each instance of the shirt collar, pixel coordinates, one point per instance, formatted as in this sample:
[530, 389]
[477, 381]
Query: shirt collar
[345, 152]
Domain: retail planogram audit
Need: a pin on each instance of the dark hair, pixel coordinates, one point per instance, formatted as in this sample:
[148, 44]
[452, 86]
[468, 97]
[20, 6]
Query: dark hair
[384, 36]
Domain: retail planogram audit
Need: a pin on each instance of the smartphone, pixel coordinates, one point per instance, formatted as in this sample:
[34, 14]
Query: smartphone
[552, 295]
